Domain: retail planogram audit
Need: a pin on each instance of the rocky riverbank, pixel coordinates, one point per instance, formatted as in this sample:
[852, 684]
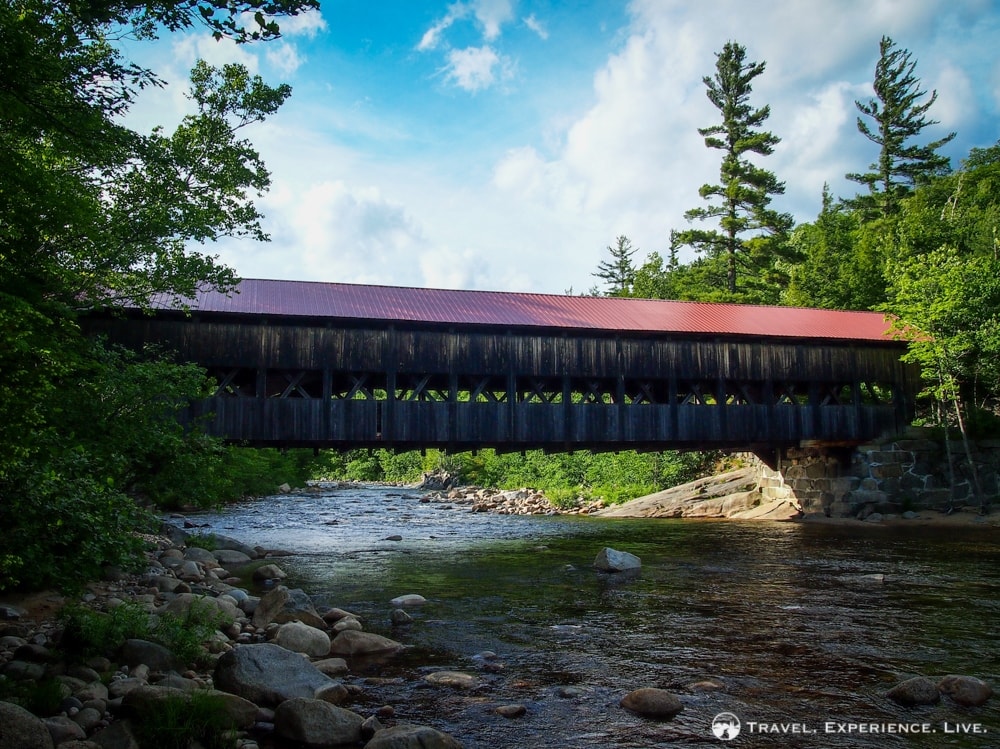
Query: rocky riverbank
[275, 669]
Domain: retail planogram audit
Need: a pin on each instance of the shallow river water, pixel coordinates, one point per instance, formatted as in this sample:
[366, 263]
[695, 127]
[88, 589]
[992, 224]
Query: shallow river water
[791, 620]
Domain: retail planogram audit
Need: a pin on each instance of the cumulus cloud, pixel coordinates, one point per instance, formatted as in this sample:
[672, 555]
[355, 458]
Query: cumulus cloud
[473, 68]
[476, 68]
[492, 15]
[284, 57]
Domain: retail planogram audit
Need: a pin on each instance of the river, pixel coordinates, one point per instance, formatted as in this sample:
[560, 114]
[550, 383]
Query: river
[790, 622]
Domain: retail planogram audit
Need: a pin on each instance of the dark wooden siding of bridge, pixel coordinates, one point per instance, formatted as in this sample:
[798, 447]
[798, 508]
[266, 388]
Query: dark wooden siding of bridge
[329, 383]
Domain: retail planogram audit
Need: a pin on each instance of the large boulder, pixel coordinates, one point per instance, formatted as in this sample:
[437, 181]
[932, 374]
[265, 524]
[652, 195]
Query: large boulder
[301, 638]
[147, 701]
[286, 605]
[19, 729]
[353, 643]
[221, 609]
[135, 652]
[316, 723]
[267, 674]
[412, 737]
[612, 560]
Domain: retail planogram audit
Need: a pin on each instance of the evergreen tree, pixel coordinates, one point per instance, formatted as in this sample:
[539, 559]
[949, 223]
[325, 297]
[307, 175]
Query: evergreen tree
[751, 234]
[898, 116]
[619, 272]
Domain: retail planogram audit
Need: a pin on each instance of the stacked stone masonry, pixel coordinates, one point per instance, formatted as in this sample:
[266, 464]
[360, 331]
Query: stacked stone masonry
[908, 472]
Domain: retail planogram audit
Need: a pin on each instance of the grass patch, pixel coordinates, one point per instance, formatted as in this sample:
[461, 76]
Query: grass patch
[195, 719]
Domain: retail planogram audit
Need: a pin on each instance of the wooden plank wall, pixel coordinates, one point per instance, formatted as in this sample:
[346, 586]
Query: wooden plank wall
[563, 362]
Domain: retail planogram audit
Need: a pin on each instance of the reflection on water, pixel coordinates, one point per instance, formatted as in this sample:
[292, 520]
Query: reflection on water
[777, 623]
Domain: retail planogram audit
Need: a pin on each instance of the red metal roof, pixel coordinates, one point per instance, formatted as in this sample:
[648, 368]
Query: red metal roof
[510, 309]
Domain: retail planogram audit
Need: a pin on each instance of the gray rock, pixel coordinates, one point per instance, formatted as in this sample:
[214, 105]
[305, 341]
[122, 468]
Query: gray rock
[651, 702]
[400, 618]
[154, 655]
[285, 605]
[19, 729]
[410, 599]
[511, 711]
[88, 718]
[353, 643]
[269, 572]
[316, 723]
[965, 690]
[119, 735]
[222, 609]
[231, 558]
[915, 691]
[301, 638]
[348, 622]
[64, 729]
[24, 671]
[332, 666]
[612, 560]
[269, 606]
[454, 679]
[203, 556]
[267, 674]
[412, 737]
[10, 613]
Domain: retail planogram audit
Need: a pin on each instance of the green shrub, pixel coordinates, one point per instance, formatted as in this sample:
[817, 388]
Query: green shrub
[184, 636]
[88, 632]
[206, 541]
[43, 697]
[185, 720]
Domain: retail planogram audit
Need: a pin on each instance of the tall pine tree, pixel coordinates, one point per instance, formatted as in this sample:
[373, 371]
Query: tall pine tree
[751, 234]
[619, 272]
[898, 116]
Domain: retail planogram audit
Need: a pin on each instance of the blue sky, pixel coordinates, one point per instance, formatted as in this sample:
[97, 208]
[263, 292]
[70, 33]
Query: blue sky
[505, 144]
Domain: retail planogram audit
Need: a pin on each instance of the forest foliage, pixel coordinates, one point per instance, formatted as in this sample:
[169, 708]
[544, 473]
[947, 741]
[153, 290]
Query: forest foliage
[94, 214]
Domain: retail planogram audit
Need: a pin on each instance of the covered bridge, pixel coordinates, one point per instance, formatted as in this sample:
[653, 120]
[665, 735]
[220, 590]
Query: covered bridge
[340, 365]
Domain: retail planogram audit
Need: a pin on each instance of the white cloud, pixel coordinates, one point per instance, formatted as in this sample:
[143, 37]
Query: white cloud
[432, 37]
[284, 57]
[492, 15]
[537, 26]
[476, 68]
[307, 24]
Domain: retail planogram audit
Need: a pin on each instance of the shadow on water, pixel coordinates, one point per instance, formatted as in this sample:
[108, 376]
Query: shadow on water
[777, 623]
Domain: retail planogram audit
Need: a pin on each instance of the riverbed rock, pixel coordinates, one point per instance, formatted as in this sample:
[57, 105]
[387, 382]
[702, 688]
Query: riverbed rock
[453, 679]
[612, 560]
[267, 674]
[222, 609]
[965, 690]
[231, 558]
[269, 572]
[332, 666]
[135, 652]
[19, 729]
[405, 736]
[916, 691]
[353, 643]
[410, 599]
[651, 702]
[301, 638]
[269, 605]
[511, 711]
[316, 723]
